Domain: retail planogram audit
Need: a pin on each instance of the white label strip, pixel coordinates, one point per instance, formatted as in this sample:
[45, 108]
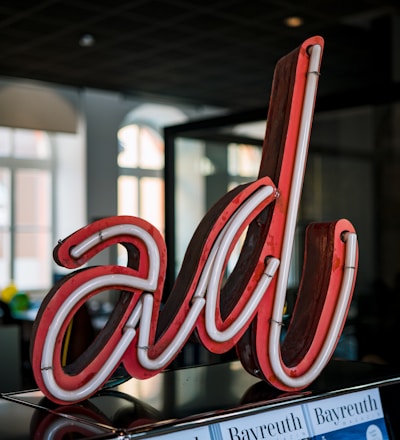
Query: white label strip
[358, 413]
[198, 433]
[362, 409]
[280, 424]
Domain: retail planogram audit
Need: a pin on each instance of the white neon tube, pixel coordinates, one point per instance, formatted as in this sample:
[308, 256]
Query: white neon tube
[205, 275]
[334, 328]
[124, 229]
[250, 307]
[214, 269]
[97, 380]
[207, 286]
[228, 235]
[172, 349]
[290, 225]
[295, 189]
[101, 282]
[197, 302]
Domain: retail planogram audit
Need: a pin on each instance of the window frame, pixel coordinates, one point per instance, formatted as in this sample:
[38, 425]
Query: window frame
[13, 164]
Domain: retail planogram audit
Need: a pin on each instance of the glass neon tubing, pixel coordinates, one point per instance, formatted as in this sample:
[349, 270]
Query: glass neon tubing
[217, 272]
[143, 309]
[218, 252]
[283, 274]
[84, 290]
[116, 355]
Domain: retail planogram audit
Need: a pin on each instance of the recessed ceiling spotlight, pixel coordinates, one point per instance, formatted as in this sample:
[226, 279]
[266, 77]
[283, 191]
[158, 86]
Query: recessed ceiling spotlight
[86, 40]
[293, 21]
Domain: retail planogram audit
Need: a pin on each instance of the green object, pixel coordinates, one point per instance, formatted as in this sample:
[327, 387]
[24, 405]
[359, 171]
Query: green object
[19, 302]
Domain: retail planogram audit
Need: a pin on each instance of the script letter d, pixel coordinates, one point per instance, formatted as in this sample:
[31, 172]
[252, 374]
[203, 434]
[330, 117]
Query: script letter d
[331, 254]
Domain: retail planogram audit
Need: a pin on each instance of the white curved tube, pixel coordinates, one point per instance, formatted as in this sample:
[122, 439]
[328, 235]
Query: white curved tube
[206, 292]
[124, 229]
[228, 235]
[287, 247]
[102, 282]
[208, 285]
[96, 381]
[334, 329]
[173, 348]
[295, 188]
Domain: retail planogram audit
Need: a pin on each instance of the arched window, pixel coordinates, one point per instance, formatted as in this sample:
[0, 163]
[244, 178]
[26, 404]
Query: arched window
[140, 181]
[141, 163]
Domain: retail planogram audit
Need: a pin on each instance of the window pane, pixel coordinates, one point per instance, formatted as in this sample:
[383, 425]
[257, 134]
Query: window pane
[128, 195]
[5, 258]
[128, 141]
[31, 144]
[33, 250]
[243, 160]
[5, 141]
[127, 205]
[33, 198]
[152, 201]
[5, 191]
[151, 149]
[32, 264]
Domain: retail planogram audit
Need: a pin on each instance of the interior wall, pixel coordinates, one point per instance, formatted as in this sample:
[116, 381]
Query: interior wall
[34, 105]
[103, 115]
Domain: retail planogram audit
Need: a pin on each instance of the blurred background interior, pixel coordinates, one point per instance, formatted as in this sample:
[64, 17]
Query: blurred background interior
[97, 97]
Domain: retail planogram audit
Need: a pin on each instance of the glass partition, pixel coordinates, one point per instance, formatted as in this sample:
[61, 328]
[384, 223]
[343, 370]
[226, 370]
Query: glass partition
[352, 172]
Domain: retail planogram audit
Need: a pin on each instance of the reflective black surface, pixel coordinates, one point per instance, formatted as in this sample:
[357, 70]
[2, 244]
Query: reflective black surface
[187, 397]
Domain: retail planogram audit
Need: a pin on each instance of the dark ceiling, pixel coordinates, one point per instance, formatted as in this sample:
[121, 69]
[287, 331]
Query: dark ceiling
[215, 52]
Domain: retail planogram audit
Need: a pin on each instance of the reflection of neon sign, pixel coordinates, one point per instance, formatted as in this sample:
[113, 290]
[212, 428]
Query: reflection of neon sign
[90, 419]
[246, 311]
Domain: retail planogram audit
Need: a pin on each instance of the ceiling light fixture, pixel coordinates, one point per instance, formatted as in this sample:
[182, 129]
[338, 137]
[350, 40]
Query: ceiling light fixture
[87, 40]
[293, 21]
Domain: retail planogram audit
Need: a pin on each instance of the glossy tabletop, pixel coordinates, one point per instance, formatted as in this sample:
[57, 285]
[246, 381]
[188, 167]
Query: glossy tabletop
[175, 400]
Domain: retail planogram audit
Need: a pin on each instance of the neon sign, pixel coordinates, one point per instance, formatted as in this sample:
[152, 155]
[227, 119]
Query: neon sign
[246, 310]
